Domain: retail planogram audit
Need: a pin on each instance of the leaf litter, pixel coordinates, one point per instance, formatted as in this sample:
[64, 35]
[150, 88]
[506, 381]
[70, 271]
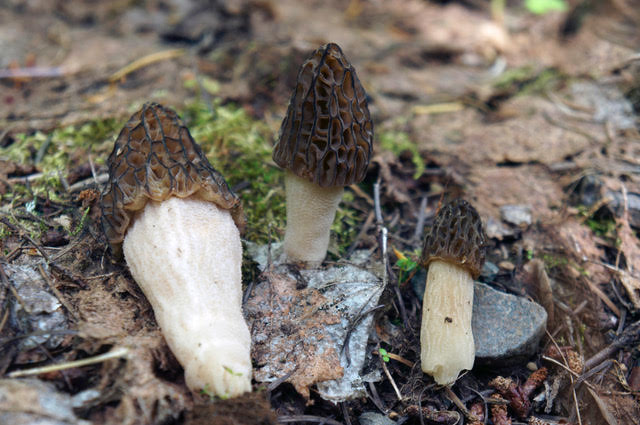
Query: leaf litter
[525, 143]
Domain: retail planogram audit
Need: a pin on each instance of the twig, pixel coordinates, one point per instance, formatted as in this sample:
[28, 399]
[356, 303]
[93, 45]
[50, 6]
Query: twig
[144, 61]
[307, 418]
[345, 413]
[386, 372]
[459, 404]
[91, 181]
[273, 385]
[363, 231]
[375, 398]
[573, 387]
[629, 336]
[56, 292]
[352, 327]
[113, 354]
[32, 72]
[417, 233]
[396, 358]
[557, 363]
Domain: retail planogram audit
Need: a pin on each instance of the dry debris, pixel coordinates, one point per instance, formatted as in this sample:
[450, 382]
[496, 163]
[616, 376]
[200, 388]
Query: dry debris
[286, 326]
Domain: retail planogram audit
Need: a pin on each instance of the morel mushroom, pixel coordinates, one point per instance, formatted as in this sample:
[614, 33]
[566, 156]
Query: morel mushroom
[177, 222]
[453, 252]
[325, 144]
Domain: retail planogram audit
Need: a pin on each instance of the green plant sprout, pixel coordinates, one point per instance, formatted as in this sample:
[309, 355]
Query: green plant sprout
[540, 7]
[406, 266]
[229, 370]
[398, 142]
[83, 221]
[384, 354]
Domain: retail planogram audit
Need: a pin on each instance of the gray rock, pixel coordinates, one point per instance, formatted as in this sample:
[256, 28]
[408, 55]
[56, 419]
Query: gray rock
[496, 229]
[31, 402]
[617, 204]
[39, 310]
[374, 418]
[506, 328]
[518, 215]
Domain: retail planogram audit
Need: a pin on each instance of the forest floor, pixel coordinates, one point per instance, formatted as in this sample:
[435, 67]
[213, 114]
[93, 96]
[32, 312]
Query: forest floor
[510, 108]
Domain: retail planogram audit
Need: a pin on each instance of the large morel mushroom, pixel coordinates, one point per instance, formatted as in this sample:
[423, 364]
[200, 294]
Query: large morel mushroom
[453, 254]
[177, 222]
[325, 144]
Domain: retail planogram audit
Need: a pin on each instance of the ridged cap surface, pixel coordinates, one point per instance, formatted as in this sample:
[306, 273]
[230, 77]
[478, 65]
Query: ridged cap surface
[457, 236]
[154, 158]
[327, 134]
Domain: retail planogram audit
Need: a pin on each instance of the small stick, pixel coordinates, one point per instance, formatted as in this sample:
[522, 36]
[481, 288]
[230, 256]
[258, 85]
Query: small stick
[91, 181]
[113, 354]
[375, 398]
[573, 386]
[93, 171]
[397, 358]
[307, 418]
[386, 372]
[459, 404]
[144, 61]
[417, 234]
[56, 292]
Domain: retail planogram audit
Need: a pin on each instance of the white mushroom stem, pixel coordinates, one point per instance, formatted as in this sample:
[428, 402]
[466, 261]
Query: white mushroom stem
[310, 213]
[186, 256]
[446, 338]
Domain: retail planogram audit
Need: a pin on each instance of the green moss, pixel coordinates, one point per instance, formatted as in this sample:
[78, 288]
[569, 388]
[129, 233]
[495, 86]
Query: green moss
[398, 142]
[240, 148]
[552, 261]
[528, 80]
[237, 145]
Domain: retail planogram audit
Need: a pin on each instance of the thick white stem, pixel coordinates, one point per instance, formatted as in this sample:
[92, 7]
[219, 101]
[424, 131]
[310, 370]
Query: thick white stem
[186, 256]
[446, 339]
[310, 213]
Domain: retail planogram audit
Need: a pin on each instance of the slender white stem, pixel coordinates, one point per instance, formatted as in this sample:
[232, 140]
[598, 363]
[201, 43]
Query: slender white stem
[186, 256]
[446, 338]
[310, 213]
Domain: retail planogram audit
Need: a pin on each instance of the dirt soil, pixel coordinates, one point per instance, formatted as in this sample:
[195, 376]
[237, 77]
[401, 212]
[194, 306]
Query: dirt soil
[511, 109]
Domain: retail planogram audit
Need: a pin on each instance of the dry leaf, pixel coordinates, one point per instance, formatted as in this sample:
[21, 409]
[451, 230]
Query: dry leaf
[287, 326]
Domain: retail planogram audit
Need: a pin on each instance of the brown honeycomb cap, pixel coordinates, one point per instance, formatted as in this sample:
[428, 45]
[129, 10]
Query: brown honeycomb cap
[154, 158]
[327, 134]
[456, 237]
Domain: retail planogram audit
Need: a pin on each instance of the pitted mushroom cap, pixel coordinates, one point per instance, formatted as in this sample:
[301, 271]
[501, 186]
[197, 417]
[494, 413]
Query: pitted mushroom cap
[456, 237]
[154, 158]
[327, 134]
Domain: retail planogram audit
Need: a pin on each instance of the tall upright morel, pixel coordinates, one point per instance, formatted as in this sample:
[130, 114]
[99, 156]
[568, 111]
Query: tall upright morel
[325, 144]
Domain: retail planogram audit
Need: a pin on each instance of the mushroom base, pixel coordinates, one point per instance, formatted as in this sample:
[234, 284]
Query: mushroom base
[310, 213]
[446, 338]
[186, 256]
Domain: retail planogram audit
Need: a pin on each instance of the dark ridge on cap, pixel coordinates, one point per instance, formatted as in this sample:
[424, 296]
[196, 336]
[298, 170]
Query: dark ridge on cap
[327, 134]
[154, 158]
[457, 237]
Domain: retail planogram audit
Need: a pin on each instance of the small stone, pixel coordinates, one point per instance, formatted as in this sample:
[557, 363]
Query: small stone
[496, 229]
[532, 366]
[632, 203]
[31, 401]
[506, 265]
[489, 272]
[518, 215]
[373, 418]
[506, 328]
[39, 310]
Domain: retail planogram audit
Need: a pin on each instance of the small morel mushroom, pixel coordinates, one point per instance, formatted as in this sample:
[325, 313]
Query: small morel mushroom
[177, 222]
[453, 252]
[325, 144]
